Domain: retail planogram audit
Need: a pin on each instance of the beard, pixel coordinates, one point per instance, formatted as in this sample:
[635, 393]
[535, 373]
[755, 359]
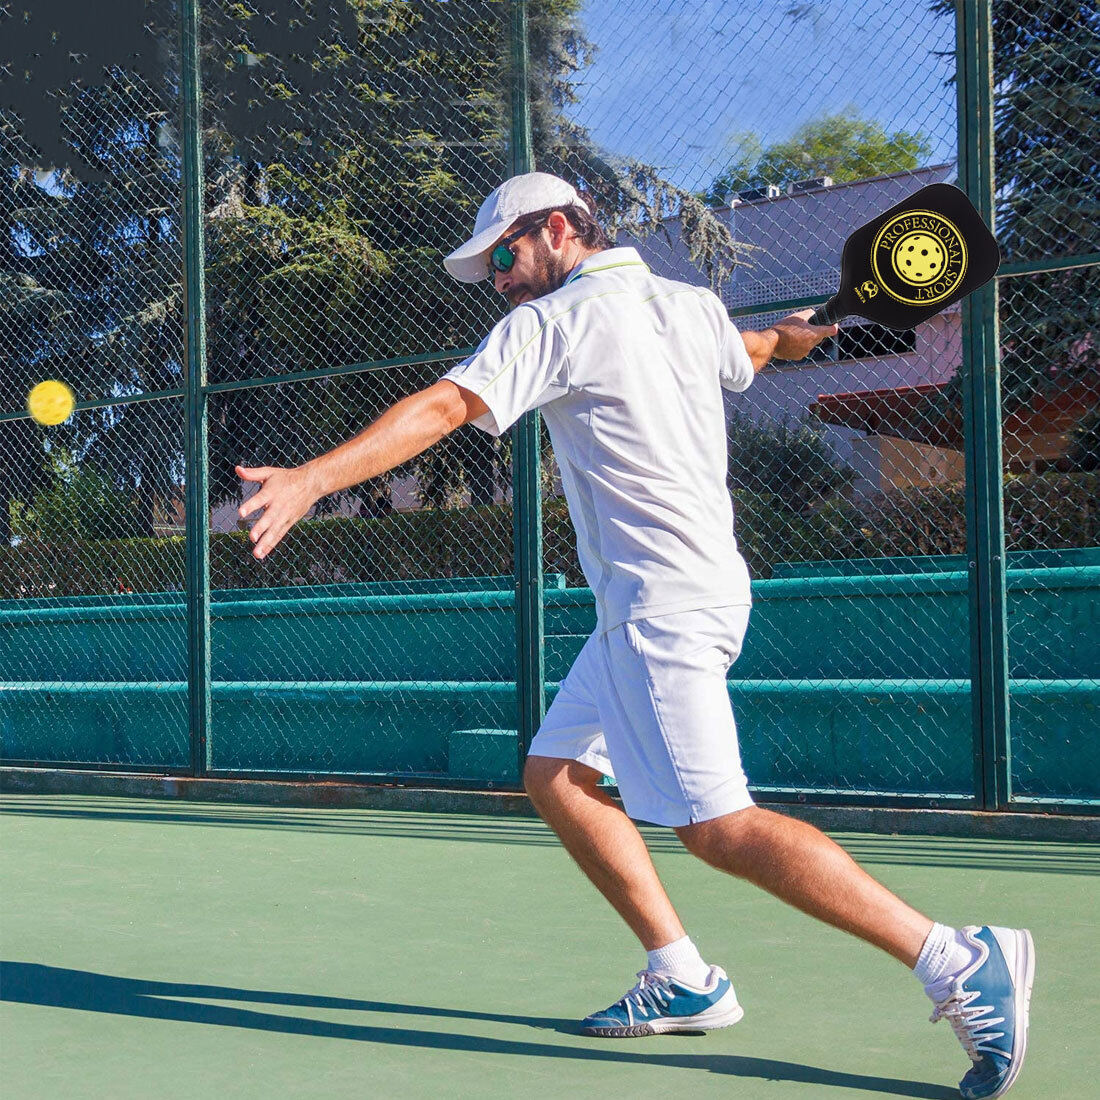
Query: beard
[549, 274]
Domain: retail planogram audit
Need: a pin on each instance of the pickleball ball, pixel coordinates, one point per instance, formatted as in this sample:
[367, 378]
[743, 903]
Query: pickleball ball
[51, 402]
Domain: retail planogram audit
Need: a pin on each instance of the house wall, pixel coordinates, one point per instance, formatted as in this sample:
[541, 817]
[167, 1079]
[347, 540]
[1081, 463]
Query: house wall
[796, 243]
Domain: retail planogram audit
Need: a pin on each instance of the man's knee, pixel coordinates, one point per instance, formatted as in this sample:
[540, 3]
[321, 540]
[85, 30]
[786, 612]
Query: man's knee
[718, 840]
[542, 775]
[539, 773]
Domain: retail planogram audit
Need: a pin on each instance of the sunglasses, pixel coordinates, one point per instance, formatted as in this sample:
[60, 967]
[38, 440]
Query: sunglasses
[502, 257]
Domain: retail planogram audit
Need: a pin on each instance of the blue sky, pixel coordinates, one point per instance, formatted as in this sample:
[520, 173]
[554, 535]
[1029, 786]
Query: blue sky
[675, 81]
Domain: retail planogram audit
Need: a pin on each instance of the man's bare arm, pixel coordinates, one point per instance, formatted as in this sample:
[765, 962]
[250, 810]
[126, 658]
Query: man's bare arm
[403, 431]
[792, 338]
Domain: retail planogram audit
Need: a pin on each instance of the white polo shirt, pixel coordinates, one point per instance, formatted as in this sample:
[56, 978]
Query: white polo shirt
[627, 369]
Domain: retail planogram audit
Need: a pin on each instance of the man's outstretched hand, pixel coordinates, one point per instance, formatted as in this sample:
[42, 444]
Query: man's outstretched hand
[797, 337]
[285, 495]
[792, 338]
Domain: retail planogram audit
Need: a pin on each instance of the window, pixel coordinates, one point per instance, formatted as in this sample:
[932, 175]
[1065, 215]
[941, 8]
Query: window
[856, 342]
[873, 342]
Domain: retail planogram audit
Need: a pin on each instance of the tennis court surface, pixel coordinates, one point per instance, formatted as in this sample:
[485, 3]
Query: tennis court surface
[165, 950]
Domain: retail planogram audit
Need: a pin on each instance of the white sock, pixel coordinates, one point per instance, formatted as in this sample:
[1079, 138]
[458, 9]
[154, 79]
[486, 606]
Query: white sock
[680, 960]
[945, 954]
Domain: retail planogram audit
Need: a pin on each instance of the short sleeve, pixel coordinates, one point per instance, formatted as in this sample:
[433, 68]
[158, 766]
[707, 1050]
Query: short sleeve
[735, 370]
[519, 366]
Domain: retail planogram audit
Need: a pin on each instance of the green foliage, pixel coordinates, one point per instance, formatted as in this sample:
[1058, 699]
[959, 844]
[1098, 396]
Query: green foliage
[1042, 512]
[1047, 126]
[329, 207]
[1047, 170]
[787, 461]
[844, 146]
[347, 147]
[72, 567]
[89, 289]
[330, 253]
[80, 504]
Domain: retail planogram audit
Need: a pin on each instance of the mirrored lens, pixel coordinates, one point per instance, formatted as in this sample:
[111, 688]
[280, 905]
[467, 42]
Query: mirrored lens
[502, 258]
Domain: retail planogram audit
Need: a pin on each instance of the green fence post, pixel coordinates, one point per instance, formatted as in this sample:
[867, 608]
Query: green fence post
[194, 306]
[526, 494]
[981, 385]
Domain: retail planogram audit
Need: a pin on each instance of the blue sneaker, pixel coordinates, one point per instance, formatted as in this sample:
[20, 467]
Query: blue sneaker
[659, 1004]
[987, 1005]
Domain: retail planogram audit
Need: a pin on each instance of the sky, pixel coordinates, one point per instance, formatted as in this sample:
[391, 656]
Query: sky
[674, 82]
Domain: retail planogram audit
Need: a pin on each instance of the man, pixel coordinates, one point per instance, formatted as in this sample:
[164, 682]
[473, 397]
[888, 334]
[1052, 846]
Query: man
[627, 369]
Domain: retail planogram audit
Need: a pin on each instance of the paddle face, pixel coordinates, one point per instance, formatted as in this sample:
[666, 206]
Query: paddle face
[914, 260]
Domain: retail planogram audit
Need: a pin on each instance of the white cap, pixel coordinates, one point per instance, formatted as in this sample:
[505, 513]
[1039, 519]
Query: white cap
[469, 263]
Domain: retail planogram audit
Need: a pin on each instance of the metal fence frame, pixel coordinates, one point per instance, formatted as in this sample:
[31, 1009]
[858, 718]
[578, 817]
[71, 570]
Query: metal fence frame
[989, 669]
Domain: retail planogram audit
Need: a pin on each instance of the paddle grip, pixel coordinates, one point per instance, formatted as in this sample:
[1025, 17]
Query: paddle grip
[826, 314]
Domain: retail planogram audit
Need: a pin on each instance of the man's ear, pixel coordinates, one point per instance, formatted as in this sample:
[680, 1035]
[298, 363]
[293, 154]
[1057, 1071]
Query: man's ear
[558, 225]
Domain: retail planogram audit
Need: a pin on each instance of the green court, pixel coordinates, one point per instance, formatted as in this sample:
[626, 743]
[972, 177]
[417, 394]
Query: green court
[169, 950]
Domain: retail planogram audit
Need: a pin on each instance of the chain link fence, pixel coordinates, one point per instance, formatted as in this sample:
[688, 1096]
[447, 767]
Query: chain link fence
[1048, 209]
[344, 147]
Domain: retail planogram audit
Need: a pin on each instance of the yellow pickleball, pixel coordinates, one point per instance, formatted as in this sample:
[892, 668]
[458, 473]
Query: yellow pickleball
[51, 402]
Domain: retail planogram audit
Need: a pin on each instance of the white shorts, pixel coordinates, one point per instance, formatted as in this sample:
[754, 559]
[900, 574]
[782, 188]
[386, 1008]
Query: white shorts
[647, 704]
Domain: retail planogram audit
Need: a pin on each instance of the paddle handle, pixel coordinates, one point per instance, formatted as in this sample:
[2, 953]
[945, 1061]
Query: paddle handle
[828, 314]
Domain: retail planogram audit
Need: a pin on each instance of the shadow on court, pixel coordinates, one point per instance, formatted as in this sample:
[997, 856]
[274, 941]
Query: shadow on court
[978, 854]
[33, 983]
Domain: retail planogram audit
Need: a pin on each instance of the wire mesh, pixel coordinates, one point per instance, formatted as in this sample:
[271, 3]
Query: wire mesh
[90, 159]
[92, 623]
[91, 582]
[381, 632]
[1048, 208]
[346, 146]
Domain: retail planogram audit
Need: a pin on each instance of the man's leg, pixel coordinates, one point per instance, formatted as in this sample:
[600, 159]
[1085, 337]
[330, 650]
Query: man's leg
[605, 843]
[991, 968]
[676, 991]
[789, 858]
[802, 866]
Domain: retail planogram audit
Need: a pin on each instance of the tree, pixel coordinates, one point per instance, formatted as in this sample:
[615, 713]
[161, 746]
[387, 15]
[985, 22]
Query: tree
[89, 272]
[327, 213]
[347, 143]
[29, 314]
[843, 146]
[330, 252]
[786, 460]
[1046, 137]
[80, 504]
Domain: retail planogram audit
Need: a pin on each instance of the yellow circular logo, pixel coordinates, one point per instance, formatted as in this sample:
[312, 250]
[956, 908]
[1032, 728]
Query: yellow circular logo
[919, 257]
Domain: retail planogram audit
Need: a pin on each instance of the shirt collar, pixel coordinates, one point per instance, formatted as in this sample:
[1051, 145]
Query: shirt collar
[608, 258]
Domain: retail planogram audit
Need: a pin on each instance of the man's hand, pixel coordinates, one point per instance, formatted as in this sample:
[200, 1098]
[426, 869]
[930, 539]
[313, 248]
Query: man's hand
[285, 495]
[797, 337]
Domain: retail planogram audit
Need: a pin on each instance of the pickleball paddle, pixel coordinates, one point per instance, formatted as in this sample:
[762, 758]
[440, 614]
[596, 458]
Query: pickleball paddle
[913, 261]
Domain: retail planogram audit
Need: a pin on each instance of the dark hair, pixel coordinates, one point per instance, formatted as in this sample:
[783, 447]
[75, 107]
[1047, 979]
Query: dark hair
[589, 231]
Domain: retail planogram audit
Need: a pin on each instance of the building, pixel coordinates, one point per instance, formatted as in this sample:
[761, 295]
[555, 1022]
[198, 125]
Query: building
[882, 396]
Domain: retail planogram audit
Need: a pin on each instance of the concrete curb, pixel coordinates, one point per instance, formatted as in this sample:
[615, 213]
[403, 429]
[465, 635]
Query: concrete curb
[339, 794]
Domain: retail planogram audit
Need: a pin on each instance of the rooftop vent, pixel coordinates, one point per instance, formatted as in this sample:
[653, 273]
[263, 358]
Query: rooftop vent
[771, 191]
[815, 184]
